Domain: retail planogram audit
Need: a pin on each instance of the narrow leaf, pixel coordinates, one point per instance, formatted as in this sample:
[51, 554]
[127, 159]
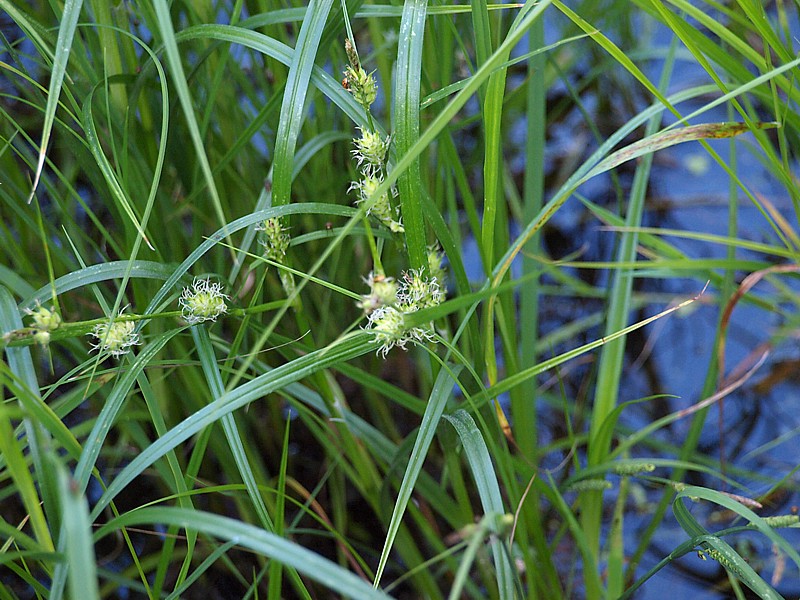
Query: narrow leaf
[79, 550]
[69, 22]
[488, 490]
[256, 539]
[442, 390]
[294, 97]
[665, 139]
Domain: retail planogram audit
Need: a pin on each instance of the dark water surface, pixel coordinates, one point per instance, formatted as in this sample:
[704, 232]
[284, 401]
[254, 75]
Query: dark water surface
[756, 432]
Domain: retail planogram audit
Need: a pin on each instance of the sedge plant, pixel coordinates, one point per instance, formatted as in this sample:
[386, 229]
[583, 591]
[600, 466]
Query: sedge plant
[288, 310]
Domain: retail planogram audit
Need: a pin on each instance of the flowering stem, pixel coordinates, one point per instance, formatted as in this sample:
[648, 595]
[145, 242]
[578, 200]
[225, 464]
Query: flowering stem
[373, 248]
[25, 335]
[370, 123]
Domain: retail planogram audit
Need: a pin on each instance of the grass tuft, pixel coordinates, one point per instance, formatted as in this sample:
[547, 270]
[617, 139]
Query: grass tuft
[426, 301]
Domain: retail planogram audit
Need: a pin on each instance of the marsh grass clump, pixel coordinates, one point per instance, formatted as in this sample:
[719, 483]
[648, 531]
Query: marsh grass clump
[536, 235]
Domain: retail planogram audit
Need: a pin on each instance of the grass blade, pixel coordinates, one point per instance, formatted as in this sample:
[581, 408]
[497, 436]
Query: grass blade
[294, 97]
[20, 364]
[441, 393]
[262, 542]
[488, 490]
[208, 361]
[406, 126]
[165, 28]
[79, 547]
[346, 349]
[17, 469]
[66, 33]
[720, 550]
[94, 443]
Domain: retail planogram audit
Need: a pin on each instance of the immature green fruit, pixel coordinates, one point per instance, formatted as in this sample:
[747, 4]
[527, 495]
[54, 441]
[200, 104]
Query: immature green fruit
[115, 337]
[276, 240]
[382, 292]
[204, 301]
[370, 150]
[45, 320]
[361, 84]
[381, 207]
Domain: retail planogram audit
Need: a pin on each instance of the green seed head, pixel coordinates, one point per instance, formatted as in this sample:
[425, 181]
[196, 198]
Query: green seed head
[382, 292]
[115, 337]
[381, 207]
[362, 85]
[204, 301]
[370, 150]
[45, 320]
[435, 263]
[276, 240]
